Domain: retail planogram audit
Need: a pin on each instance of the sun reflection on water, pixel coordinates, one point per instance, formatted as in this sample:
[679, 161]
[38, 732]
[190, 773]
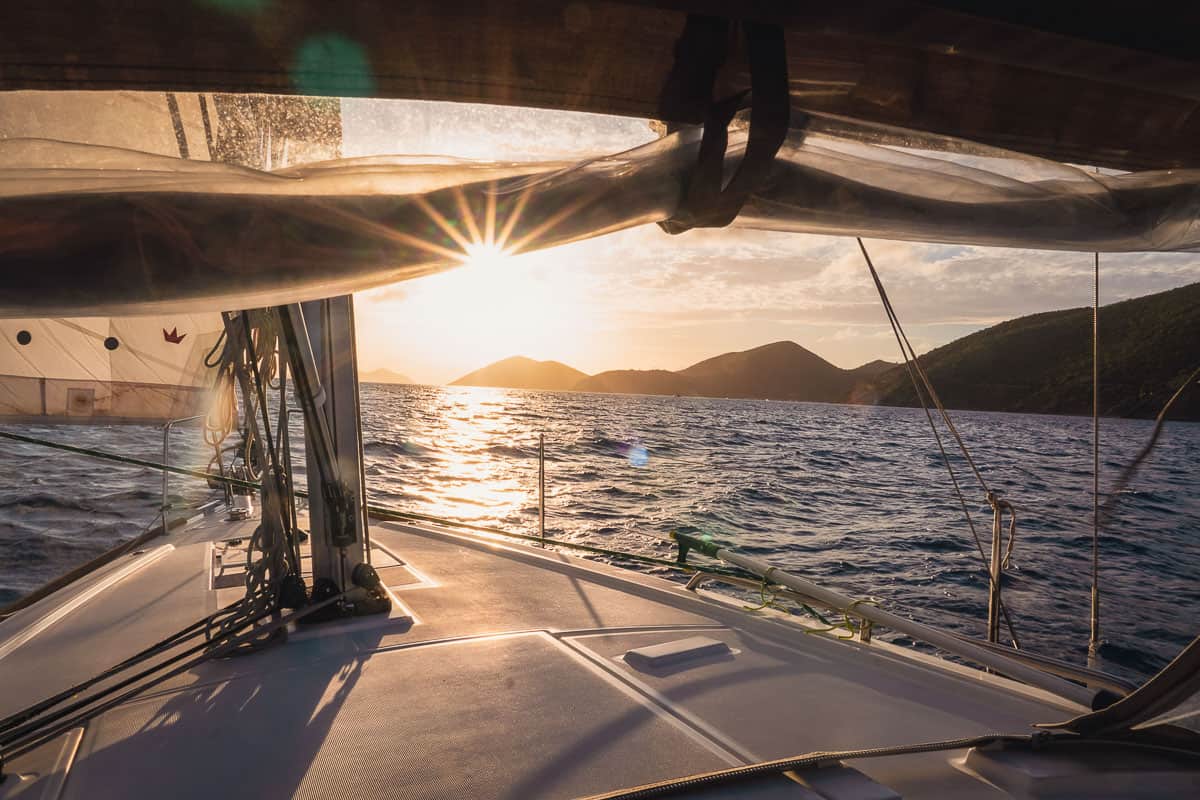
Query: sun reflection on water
[478, 477]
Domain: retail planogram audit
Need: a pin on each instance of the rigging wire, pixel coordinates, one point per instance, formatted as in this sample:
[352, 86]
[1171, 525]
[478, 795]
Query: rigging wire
[913, 366]
[1094, 636]
[18, 739]
[1131, 469]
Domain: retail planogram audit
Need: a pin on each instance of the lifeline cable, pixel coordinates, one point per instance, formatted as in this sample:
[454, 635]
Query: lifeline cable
[373, 510]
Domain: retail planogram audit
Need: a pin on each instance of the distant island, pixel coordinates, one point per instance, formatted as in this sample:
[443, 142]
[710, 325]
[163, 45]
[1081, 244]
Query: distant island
[779, 371]
[1036, 364]
[519, 372]
[383, 376]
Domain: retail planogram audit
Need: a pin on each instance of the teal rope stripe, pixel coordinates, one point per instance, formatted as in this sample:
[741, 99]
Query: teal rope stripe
[381, 512]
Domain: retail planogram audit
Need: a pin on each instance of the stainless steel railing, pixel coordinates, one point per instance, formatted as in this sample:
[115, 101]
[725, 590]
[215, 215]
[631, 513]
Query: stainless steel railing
[166, 458]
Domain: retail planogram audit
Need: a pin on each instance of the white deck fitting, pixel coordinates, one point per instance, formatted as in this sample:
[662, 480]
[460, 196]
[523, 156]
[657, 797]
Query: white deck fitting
[511, 686]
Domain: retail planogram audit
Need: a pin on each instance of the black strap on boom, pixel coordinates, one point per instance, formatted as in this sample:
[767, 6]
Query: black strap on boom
[688, 95]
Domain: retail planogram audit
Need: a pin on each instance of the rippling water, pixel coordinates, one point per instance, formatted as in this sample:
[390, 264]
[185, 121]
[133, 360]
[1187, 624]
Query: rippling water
[853, 496]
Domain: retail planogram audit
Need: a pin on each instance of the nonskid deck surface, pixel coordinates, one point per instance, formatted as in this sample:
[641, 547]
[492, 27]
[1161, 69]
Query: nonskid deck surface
[499, 673]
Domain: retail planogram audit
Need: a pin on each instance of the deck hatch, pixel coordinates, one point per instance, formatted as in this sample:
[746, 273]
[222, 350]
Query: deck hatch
[670, 654]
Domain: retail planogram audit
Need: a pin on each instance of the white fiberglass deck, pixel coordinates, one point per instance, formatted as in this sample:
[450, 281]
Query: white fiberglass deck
[498, 675]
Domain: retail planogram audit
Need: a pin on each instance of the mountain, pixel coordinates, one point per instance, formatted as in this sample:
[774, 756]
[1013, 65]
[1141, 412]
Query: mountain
[519, 372]
[1043, 363]
[873, 369]
[777, 371]
[1040, 364]
[383, 376]
[637, 381]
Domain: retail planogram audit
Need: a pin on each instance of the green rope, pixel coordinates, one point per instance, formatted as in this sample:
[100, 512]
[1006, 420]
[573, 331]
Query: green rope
[762, 594]
[815, 613]
[837, 628]
[846, 625]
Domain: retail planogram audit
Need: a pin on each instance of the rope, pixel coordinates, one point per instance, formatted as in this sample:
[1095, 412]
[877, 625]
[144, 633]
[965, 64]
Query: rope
[911, 364]
[762, 594]
[675, 786]
[31, 728]
[1012, 536]
[830, 627]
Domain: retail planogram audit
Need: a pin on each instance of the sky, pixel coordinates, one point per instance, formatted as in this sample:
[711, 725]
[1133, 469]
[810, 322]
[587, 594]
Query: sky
[643, 299]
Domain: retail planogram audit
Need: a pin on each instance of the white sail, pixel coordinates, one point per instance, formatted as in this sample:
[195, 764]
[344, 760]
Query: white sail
[106, 369]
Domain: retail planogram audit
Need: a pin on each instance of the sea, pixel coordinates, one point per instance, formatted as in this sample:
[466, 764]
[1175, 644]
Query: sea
[856, 497]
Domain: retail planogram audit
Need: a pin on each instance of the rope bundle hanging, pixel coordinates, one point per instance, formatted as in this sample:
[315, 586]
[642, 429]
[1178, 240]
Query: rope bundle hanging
[245, 357]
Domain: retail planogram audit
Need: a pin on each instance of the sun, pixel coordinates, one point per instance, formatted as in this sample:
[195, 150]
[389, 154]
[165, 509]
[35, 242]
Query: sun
[482, 255]
[497, 300]
[496, 304]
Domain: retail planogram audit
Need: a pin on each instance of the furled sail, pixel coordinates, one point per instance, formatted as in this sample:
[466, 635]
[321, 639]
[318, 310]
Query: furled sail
[85, 228]
[106, 369]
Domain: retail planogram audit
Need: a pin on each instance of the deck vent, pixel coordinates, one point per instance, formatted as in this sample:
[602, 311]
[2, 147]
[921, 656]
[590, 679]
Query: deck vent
[670, 654]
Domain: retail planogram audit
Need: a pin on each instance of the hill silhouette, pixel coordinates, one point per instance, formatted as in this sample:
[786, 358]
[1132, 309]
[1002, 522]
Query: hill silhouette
[1040, 363]
[637, 381]
[778, 371]
[519, 372]
[1043, 363]
[872, 369]
[383, 376]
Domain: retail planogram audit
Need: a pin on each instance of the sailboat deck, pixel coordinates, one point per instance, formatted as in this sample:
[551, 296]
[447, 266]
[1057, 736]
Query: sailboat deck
[499, 673]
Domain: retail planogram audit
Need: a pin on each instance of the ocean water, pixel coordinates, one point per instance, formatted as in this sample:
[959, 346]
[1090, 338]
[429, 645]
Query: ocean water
[855, 497]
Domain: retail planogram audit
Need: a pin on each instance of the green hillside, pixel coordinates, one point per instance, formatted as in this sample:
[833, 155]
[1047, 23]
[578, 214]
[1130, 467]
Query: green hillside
[1043, 363]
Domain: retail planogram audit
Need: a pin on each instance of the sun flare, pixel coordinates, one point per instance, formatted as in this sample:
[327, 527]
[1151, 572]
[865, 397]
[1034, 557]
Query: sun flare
[495, 305]
[499, 301]
[481, 256]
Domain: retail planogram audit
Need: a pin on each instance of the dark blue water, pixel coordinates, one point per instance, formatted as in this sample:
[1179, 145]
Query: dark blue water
[856, 497]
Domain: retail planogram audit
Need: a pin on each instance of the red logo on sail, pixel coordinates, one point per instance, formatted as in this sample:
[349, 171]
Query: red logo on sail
[174, 337]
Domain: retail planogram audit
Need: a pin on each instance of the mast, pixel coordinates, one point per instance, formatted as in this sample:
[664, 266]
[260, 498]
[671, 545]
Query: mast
[331, 330]
[323, 354]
